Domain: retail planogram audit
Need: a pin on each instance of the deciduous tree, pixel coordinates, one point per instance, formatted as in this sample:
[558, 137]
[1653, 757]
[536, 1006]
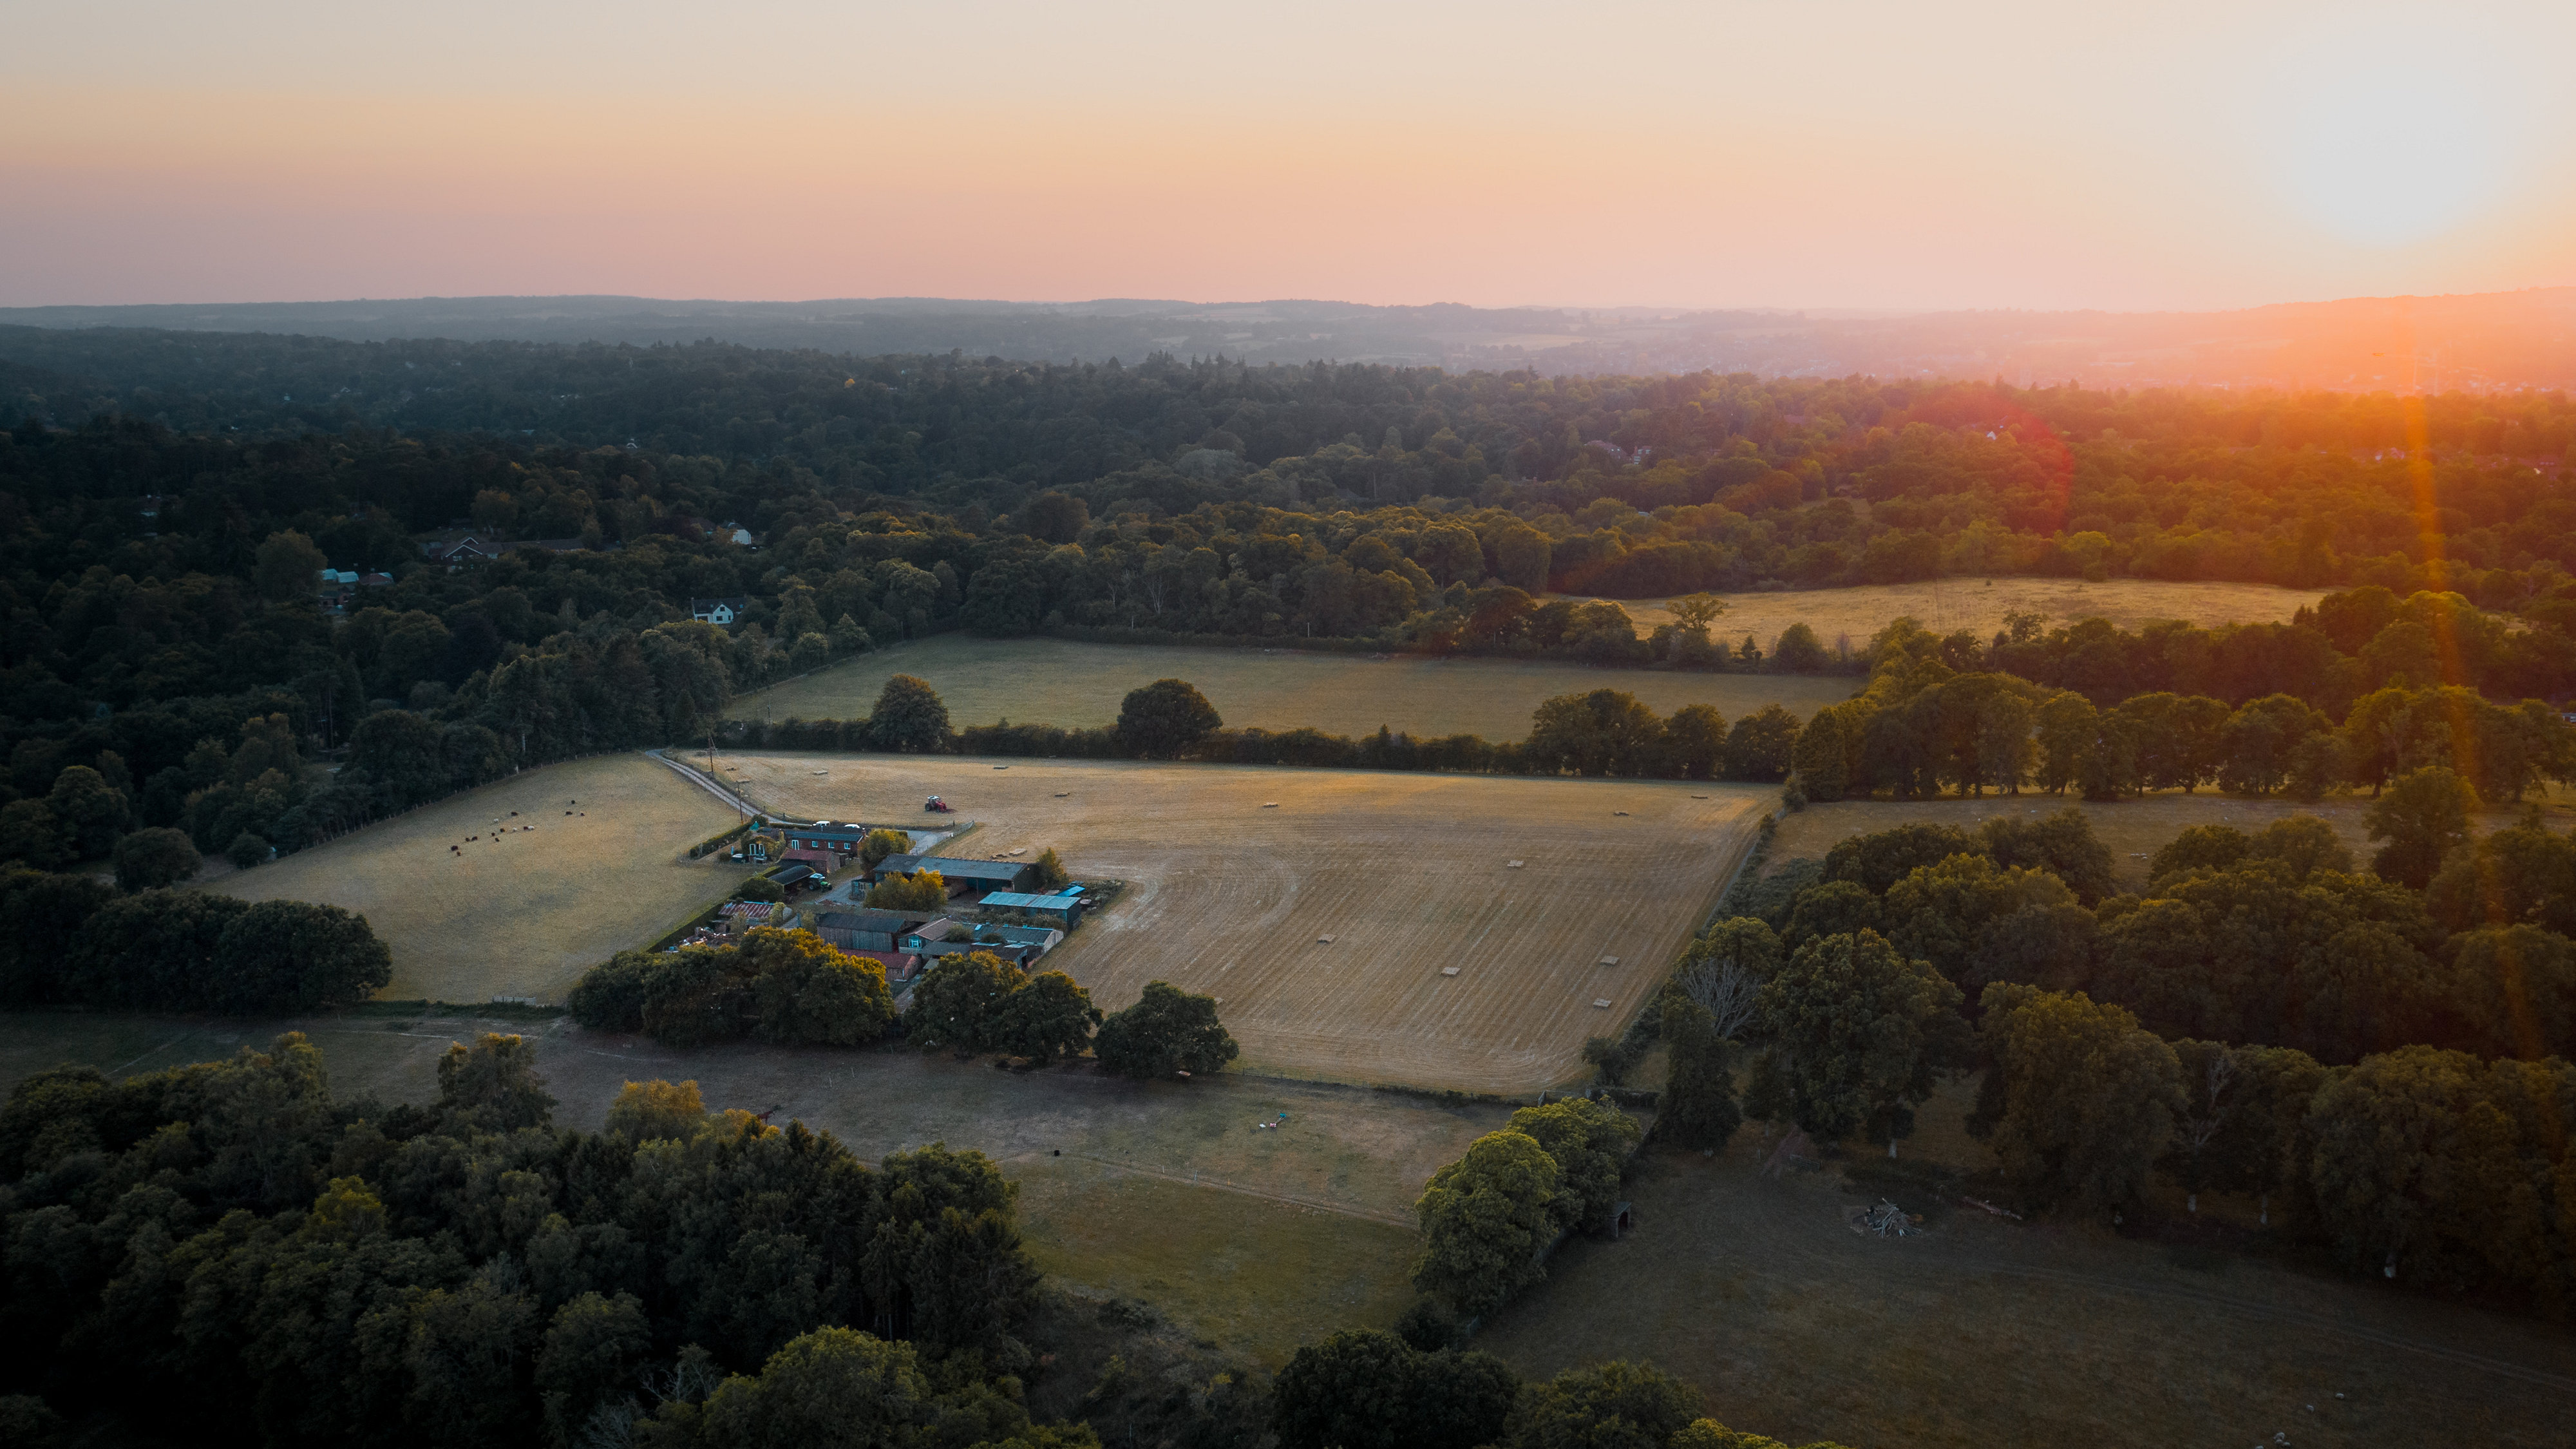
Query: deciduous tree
[1859, 1035]
[2077, 1099]
[1167, 1032]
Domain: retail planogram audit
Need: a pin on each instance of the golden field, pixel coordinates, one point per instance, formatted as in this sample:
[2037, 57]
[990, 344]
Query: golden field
[1230, 894]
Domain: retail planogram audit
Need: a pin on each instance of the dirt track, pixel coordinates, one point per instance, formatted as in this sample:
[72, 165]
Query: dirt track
[1408, 873]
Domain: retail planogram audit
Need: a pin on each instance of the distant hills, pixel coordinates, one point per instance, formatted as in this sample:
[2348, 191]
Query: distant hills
[2482, 341]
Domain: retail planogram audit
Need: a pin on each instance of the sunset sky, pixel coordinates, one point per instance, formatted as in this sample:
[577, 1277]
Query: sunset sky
[1844, 153]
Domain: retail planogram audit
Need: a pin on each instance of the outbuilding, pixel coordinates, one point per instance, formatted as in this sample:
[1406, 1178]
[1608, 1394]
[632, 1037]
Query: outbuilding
[865, 930]
[1066, 909]
[838, 838]
[976, 876]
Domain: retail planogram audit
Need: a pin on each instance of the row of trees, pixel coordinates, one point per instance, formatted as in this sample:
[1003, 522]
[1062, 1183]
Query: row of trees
[1602, 732]
[1922, 727]
[792, 987]
[74, 939]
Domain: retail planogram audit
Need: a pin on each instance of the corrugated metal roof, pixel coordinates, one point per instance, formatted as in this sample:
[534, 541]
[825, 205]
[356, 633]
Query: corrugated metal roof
[952, 868]
[1020, 901]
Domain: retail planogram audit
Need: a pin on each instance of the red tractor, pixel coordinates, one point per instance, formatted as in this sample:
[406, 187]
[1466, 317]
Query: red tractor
[937, 806]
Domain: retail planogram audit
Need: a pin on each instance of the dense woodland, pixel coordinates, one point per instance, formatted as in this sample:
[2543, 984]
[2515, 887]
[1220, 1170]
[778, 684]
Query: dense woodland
[2381, 1061]
[167, 503]
[227, 1253]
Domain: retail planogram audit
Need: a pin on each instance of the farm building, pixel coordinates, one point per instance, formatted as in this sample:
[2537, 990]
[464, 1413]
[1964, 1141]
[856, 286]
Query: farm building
[1015, 943]
[1067, 908]
[864, 930]
[899, 965]
[795, 876]
[827, 835]
[965, 875]
[821, 862]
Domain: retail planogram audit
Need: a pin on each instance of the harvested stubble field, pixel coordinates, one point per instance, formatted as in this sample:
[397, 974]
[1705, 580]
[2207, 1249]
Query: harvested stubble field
[1985, 1332]
[1260, 1240]
[1228, 894]
[1979, 604]
[2134, 830]
[522, 914]
[1061, 682]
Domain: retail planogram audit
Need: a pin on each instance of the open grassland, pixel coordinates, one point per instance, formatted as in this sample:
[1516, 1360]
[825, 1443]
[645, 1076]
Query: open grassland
[1988, 1332]
[1235, 874]
[1060, 682]
[2134, 830]
[518, 913]
[1978, 605]
[1257, 1275]
[1165, 1191]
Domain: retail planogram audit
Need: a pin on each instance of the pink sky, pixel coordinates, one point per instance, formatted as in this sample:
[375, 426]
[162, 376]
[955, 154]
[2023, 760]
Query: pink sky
[1857, 153]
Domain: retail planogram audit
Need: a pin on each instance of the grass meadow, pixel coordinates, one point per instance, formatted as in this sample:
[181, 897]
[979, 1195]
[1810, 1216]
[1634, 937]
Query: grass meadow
[1986, 1332]
[1061, 682]
[518, 914]
[1978, 605]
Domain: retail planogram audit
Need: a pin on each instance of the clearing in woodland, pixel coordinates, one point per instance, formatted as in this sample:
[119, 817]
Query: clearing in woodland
[1978, 605]
[1984, 1331]
[518, 913]
[1061, 682]
[1237, 876]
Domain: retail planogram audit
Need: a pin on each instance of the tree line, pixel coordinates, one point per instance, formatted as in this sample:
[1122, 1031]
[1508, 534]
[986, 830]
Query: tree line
[1600, 732]
[1955, 478]
[1956, 714]
[794, 988]
[74, 939]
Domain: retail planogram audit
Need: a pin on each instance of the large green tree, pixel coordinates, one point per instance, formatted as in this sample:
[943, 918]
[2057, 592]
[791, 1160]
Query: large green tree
[2423, 817]
[1484, 1219]
[1616, 1405]
[1859, 1036]
[1365, 1389]
[1046, 1017]
[1164, 718]
[2077, 1100]
[909, 718]
[1698, 1109]
[1166, 1033]
[1590, 1141]
[961, 1002]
